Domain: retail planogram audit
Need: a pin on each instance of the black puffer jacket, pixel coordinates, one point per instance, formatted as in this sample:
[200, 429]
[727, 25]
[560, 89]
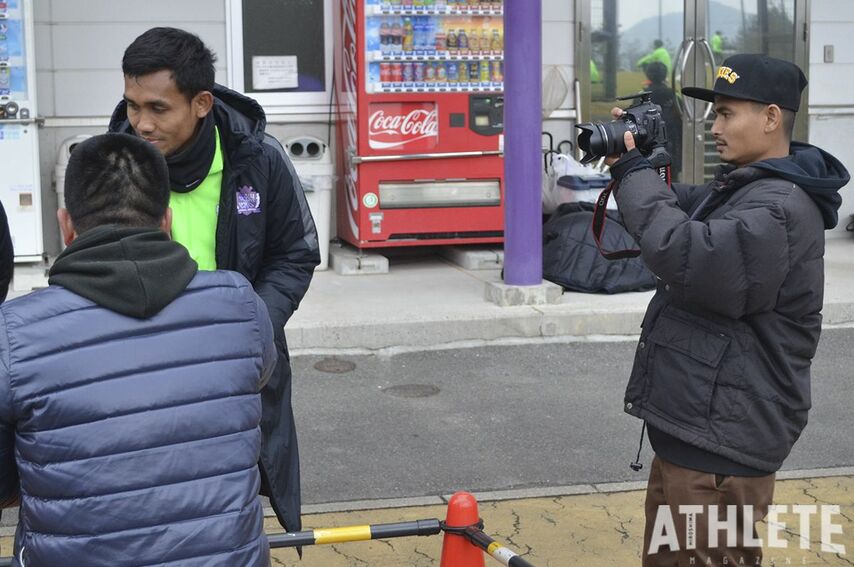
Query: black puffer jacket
[723, 362]
[275, 247]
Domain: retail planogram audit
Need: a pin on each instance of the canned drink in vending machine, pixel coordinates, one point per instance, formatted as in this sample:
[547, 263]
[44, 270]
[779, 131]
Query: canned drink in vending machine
[473, 71]
[408, 72]
[441, 40]
[441, 72]
[397, 72]
[497, 73]
[484, 71]
[385, 72]
[418, 68]
[453, 72]
[429, 72]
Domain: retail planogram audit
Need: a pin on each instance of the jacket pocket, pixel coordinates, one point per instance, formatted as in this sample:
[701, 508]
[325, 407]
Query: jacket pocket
[684, 365]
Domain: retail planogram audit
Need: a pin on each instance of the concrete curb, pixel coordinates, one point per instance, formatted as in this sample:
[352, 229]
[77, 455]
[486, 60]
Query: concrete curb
[506, 323]
[523, 322]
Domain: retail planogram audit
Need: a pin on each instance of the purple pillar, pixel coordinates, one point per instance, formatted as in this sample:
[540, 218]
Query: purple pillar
[523, 94]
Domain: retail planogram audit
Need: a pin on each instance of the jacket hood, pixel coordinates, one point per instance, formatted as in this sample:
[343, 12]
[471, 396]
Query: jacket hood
[815, 171]
[132, 271]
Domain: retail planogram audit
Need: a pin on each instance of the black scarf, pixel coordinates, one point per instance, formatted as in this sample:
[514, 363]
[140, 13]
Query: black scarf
[189, 167]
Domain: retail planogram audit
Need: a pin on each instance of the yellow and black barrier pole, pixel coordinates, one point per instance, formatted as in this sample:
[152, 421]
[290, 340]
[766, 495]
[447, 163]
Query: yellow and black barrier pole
[355, 533]
[503, 554]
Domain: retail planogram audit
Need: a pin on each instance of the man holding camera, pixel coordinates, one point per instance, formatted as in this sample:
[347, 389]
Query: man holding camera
[721, 374]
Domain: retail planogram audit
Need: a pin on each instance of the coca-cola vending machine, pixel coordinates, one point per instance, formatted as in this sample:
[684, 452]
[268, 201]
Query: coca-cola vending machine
[419, 87]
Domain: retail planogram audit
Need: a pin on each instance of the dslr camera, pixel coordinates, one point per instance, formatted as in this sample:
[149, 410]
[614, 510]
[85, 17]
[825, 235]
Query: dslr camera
[643, 120]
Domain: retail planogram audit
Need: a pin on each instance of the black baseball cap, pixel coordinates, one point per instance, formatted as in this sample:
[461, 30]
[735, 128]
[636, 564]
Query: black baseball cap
[758, 78]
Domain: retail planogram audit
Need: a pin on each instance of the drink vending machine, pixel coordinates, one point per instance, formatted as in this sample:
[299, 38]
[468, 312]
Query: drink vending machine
[419, 87]
[19, 140]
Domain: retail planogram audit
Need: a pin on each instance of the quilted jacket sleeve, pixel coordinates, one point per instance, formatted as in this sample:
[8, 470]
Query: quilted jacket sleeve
[733, 265]
[269, 355]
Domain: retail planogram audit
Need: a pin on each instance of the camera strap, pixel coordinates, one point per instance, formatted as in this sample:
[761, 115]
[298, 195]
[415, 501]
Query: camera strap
[599, 218]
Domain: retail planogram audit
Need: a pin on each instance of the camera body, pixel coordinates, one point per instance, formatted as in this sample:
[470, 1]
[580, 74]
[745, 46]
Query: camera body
[643, 120]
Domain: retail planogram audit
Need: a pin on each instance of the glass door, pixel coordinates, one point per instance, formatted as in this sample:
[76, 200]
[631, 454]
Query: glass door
[631, 47]
[625, 46]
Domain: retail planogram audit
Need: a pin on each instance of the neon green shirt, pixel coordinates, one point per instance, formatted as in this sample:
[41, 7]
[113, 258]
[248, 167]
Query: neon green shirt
[194, 214]
[661, 55]
[717, 44]
[594, 73]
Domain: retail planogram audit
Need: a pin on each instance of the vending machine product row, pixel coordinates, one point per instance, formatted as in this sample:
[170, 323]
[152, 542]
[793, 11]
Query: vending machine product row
[419, 87]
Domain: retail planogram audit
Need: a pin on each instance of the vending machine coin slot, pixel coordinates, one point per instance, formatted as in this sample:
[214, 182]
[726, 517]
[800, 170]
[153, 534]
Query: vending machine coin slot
[486, 114]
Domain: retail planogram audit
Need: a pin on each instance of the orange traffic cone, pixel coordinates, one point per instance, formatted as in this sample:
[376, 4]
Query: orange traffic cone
[457, 551]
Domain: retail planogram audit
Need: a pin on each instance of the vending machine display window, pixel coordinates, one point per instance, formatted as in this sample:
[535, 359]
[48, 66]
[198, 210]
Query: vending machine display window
[434, 46]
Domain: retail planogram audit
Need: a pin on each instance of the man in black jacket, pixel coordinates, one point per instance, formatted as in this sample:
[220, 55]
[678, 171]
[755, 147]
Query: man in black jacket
[722, 370]
[7, 255]
[237, 204]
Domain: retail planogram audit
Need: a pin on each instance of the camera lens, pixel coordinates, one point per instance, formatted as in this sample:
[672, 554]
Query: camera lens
[598, 139]
[296, 149]
[313, 148]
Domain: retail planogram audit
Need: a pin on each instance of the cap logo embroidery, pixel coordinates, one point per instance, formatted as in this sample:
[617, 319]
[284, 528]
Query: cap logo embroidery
[248, 201]
[728, 74]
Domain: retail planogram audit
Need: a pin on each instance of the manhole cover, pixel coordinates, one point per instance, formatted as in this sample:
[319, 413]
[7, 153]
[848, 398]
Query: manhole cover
[412, 390]
[335, 366]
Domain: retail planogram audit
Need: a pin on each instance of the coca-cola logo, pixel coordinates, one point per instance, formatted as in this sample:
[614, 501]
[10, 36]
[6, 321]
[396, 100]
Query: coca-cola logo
[390, 130]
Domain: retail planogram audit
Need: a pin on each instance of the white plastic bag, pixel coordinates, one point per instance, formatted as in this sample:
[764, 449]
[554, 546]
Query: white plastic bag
[554, 195]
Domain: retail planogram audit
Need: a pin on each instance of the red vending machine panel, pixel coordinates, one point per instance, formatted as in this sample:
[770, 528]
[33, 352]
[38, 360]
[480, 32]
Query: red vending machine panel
[419, 90]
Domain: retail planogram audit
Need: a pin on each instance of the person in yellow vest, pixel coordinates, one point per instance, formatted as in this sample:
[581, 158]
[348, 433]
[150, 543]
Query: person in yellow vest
[659, 53]
[594, 73]
[237, 204]
[717, 44]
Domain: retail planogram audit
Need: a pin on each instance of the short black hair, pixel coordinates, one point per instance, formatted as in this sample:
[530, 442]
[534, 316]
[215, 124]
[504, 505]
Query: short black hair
[789, 123]
[657, 43]
[175, 50]
[116, 179]
[656, 72]
[788, 118]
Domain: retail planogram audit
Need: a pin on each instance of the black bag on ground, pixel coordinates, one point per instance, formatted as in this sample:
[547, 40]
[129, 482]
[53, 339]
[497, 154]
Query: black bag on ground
[572, 260]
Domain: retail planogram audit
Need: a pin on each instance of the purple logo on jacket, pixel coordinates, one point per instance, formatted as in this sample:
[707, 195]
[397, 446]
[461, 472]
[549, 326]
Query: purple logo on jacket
[248, 201]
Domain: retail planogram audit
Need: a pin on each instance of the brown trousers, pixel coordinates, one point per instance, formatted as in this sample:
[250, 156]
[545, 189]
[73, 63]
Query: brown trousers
[671, 486]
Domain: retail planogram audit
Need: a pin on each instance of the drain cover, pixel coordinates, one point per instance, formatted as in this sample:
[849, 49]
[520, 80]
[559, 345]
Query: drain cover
[335, 366]
[412, 390]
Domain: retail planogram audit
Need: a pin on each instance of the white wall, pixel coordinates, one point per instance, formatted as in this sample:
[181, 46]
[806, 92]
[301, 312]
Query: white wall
[831, 94]
[80, 45]
[558, 51]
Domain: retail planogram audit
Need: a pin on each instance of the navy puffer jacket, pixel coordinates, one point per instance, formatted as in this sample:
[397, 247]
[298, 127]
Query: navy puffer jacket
[136, 438]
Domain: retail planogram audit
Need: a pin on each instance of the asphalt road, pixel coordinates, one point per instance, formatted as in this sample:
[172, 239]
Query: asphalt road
[492, 418]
